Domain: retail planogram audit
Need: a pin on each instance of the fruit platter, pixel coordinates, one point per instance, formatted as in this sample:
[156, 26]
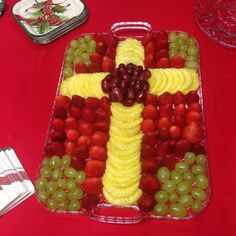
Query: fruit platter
[126, 139]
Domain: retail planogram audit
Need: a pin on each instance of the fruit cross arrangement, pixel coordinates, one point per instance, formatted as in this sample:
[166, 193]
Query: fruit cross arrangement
[127, 128]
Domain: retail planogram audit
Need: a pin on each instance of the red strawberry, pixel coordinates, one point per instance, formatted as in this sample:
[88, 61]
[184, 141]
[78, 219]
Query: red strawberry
[58, 124]
[63, 101]
[181, 147]
[175, 132]
[94, 168]
[148, 125]
[169, 161]
[148, 37]
[166, 110]
[199, 148]
[110, 52]
[163, 133]
[163, 63]
[98, 153]
[92, 102]
[55, 148]
[149, 184]
[150, 138]
[193, 116]
[149, 48]
[96, 57]
[72, 135]
[58, 136]
[100, 138]
[98, 37]
[86, 128]
[60, 113]
[84, 140]
[149, 61]
[179, 121]
[192, 97]
[94, 67]
[150, 112]
[194, 107]
[107, 64]
[165, 98]
[105, 103]
[89, 201]
[110, 40]
[70, 148]
[163, 149]
[178, 98]
[102, 126]
[100, 48]
[75, 112]
[102, 115]
[164, 122]
[147, 151]
[78, 101]
[177, 62]
[162, 44]
[151, 99]
[71, 123]
[180, 110]
[88, 115]
[77, 163]
[92, 185]
[146, 202]
[161, 53]
[80, 67]
[150, 166]
[193, 132]
[81, 152]
[162, 35]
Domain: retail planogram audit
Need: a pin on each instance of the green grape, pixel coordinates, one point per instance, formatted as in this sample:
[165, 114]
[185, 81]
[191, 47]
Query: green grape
[45, 161]
[198, 169]
[77, 59]
[83, 47]
[197, 206]
[191, 64]
[173, 197]
[177, 210]
[161, 196]
[189, 158]
[189, 177]
[73, 44]
[75, 194]
[74, 206]
[77, 53]
[192, 50]
[182, 54]
[51, 187]
[69, 51]
[65, 161]
[180, 41]
[163, 174]
[52, 203]
[191, 58]
[91, 51]
[174, 46]
[199, 194]
[80, 40]
[183, 35]
[70, 172]
[87, 62]
[62, 205]
[92, 44]
[45, 172]
[60, 195]
[176, 176]
[169, 186]
[183, 188]
[172, 37]
[68, 58]
[55, 162]
[68, 72]
[88, 37]
[181, 167]
[191, 41]
[71, 184]
[61, 183]
[42, 196]
[186, 200]
[183, 47]
[202, 181]
[68, 65]
[172, 53]
[40, 184]
[57, 174]
[201, 159]
[85, 56]
[160, 209]
[80, 177]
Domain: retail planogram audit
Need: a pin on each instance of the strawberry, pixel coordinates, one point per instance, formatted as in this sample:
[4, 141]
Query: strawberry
[81, 152]
[94, 168]
[194, 107]
[63, 101]
[146, 202]
[149, 60]
[192, 97]
[110, 41]
[60, 113]
[149, 48]
[105, 103]
[178, 98]
[70, 148]
[177, 62]
[58, 124]
[163, 133]
[175, 132]
[58, 136]
[193, 116]
[166, 110]
[102, 126]
[163, 62]
[169, 161]
[98, 153]
[107, 64]
[181, 146]
[102, 115]
[179, 121]
[110, 52]
[94, 67]
[165, 98]
[92, 185]
[77, 163]
[193, 132]
[163, 149]
[100, 48]
[148, 125]
[72, 135]
[150, 138]
[149, 184]
[98, 37]
[78, 101]
[80, 67]
[71, 123]
[199, 148]
[96, 57]
[148, 151]
[151, 99]
[84, 140]
[150, 166]
[100, 138]
[148, 37]
[55, 148]
[89, 201]
[92, 102]
[150, 112]
[75, 112]
[162, 35]
[162, 44]
[161, 53]
[86, 128]
[88, 115]
[180, 110]
[163, 122]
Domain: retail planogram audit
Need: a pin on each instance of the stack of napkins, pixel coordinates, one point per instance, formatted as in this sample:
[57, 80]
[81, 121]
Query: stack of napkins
[15, 185]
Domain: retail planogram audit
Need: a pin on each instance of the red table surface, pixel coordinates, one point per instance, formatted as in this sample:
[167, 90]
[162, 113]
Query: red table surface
[29, 76]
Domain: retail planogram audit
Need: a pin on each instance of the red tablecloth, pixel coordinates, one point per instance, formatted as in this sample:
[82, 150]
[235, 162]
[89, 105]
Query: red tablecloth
[29, 75]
